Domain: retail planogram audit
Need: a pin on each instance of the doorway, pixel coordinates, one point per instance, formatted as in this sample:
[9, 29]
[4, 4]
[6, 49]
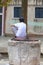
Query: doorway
[0, 24]
[1, 20]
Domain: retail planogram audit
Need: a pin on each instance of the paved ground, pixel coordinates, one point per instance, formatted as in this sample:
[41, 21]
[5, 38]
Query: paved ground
[4, 43]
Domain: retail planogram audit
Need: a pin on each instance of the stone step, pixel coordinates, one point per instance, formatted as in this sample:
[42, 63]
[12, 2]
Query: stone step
[3, 50]
[41, 63]
[3, 62]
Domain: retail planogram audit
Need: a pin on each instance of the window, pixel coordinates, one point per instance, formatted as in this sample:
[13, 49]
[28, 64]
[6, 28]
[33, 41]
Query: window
[0, 9]
[17, 11]
[39, 12]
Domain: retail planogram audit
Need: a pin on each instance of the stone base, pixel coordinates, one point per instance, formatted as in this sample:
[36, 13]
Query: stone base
[24, 52]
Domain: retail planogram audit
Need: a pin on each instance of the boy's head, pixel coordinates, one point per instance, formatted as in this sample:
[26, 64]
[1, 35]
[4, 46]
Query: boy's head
[21, 19]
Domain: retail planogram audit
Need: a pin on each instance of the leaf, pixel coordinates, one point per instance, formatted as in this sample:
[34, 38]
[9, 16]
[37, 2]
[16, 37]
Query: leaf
[4, 2]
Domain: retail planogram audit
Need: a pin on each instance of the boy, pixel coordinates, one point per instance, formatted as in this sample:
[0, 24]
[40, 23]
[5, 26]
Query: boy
[19, 29]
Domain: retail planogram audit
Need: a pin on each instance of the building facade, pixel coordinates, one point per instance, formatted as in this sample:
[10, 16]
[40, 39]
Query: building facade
[13, 12]
[35, 17]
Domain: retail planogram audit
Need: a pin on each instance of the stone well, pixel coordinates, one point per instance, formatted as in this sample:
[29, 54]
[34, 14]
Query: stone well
[24, 52]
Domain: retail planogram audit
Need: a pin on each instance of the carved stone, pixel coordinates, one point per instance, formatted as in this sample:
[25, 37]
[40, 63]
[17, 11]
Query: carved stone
[24, 52]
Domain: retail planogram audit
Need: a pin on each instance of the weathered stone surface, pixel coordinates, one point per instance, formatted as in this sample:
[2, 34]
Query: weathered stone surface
[24, 52]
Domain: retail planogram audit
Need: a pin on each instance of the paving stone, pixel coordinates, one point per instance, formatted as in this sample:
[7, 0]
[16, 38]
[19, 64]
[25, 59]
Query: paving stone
[3, 62]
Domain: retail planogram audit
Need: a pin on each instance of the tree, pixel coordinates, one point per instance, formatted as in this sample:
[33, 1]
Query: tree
[24, 10]
[4, 2]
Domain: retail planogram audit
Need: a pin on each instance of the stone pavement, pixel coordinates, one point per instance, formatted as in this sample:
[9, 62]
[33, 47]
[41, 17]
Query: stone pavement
[3, 62]
[4, 43]
[41, 63]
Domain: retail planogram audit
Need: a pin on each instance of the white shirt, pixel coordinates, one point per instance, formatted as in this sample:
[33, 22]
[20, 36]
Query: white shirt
[21, 32]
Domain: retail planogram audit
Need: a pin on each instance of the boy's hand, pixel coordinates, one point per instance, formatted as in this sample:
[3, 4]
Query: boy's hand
[14, 26]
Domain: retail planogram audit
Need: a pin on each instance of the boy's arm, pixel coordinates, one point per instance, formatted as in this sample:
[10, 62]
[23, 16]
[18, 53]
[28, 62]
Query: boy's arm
[14, 26]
